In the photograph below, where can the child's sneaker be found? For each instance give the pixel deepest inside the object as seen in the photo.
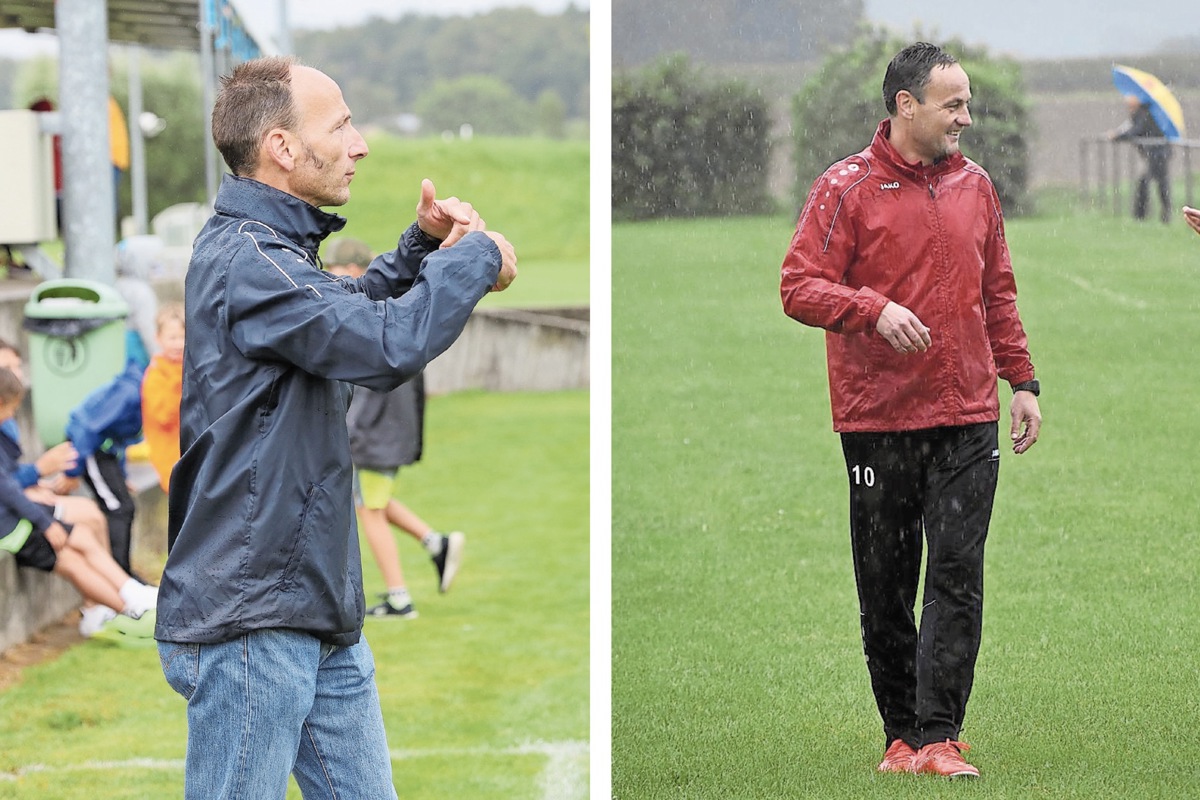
(139, 598)
(94, 618)
(449, 558)
(393, 609)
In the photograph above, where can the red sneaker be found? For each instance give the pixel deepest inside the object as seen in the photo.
(898, 757)
(944, 758)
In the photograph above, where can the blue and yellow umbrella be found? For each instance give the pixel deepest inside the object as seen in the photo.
(1151, 91)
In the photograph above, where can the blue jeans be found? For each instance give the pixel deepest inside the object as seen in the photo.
(274, 702)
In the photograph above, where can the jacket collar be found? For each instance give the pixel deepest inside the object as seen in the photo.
(287, 215)
(882, 149)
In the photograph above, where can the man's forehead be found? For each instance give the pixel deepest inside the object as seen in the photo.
(949, 80)
(314, 90)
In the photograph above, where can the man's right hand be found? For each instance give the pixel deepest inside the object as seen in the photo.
(508, 261)
(902, 330)
(1193, 218)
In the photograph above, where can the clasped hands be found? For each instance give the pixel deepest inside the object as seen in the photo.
(451, 219)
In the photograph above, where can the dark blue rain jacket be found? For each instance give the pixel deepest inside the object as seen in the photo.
(261, 529)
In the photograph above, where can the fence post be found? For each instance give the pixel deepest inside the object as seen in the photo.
(1084, 197)
(1116, 180)
(1187, 171)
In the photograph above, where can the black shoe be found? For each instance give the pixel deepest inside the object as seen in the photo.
(387, 610)
(448, 560)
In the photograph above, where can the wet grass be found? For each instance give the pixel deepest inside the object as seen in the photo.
(737, 668)
(485, 695)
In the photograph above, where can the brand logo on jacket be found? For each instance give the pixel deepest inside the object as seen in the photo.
(892, 185)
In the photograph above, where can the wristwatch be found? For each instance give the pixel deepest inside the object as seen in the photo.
(1033, 387)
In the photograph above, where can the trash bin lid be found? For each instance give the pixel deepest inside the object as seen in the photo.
(68, 298)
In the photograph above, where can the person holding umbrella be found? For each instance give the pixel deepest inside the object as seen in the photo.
(1154, 113)
(1157, 155)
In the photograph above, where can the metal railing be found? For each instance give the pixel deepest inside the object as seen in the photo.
(1107, 166)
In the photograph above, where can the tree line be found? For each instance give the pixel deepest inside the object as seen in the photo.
(686, 143)
(511, 72)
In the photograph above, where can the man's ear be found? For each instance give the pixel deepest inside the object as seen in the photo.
(281, 148)
(905, 104)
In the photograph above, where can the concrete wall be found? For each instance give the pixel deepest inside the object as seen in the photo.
(500, 350)
(510, 350)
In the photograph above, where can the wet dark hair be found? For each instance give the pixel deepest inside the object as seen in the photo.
(909, 71)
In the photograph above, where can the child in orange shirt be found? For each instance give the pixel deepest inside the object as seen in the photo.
(162, 388)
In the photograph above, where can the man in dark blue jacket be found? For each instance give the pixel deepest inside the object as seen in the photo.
(261, 603)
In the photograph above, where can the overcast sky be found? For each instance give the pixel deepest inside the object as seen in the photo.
(1045, 28)
(262, 16)
(1022, 28)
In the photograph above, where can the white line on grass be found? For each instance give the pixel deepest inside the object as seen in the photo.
(563, 778)
(1116, 297)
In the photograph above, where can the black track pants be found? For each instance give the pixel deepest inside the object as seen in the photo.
(937, 485)
(1157, 172)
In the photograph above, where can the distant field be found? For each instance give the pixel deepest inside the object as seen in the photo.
(534, 191)
(737, 663)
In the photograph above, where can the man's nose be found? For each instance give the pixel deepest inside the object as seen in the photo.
(358, 148)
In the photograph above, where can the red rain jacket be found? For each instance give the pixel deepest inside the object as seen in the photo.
(930, 238)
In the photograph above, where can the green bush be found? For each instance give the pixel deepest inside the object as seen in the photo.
(488, 105)
(836, 112)
(685, 144)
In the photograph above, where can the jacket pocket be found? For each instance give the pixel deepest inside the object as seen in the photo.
(314, 519)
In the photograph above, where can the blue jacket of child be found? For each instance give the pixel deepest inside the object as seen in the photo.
(108, 419)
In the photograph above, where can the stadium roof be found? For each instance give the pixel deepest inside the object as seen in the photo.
(171, 24)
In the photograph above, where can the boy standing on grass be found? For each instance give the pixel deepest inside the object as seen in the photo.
(386, 433)
(36, 539)
(899, 254)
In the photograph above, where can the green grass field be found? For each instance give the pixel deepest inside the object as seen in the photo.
(737, 664)
(534, 191)
(485, 695)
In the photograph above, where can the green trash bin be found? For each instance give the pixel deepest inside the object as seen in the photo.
(76, 344)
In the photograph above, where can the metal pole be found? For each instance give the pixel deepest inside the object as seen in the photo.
(1084, 197)
(89, 197)
(1132, 158)
(208, 71)
(285, 32)
(137, 144)
(1187, 171)
(1116, 179)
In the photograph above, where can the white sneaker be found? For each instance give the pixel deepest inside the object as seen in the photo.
(139, 599)
(95, 618)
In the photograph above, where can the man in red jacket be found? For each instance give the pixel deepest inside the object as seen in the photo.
(899, 254)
